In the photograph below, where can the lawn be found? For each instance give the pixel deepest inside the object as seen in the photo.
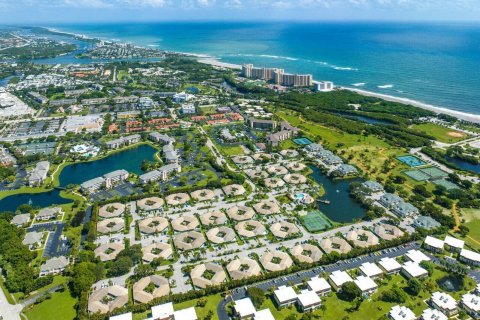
(372, 308)
(232, 151)
(207, 110)
(60, 306)
(212, 302)
(57, 280)
(471, 219)
(440, 133)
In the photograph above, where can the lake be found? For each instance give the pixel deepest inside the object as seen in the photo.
(462, 164)
(44, 199)
(342, 207)
(130, 160)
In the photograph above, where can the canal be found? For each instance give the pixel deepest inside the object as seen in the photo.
(342, 207)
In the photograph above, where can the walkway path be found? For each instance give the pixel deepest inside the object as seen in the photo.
(457, 218)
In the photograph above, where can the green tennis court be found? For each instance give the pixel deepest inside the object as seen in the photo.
(435, 173)
(316, 221)
(417, 175)
(445, 183)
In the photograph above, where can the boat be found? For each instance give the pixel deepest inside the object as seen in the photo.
(324, 201)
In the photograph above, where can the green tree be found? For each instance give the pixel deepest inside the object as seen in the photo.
(257, 296)
(83, 277)
(350, 291)
(414, 287)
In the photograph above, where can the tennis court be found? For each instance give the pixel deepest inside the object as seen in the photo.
(411, 161)
(446, 184)
(316, 221)
(302, 141)
(417, 175)
(435, 173)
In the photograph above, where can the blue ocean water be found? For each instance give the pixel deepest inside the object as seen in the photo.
(431, 63)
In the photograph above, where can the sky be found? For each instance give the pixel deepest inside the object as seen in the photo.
(65, 11)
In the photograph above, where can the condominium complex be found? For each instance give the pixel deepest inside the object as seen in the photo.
(278, 76)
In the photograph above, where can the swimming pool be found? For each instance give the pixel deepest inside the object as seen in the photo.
(300, 196)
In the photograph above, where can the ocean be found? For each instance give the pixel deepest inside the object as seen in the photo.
(431, 63)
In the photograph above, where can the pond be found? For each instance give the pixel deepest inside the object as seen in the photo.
(451, 283)
(364, 118)
(342, 207)
(44, 199)
(130, 160)
(464, 165)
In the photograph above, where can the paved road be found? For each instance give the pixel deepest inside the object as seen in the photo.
(9, 311)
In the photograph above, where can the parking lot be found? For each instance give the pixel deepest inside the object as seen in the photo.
(56, 245)
(32, 128)
(121, 190)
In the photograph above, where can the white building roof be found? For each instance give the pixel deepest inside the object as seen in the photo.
(264, 314)
(370, 269)
(308, 298)
(470, 255)
(125, 316)
(471, 301)
(414, 269)
(244, 307)
(365, 283)
(389, 264)
(444, 301)
(318, 284)
(185, 314)
(401, 313)
(285, 293)
(417, 256)
(162, 311)
(433, 314)
(340, 277)
(454, 242)
(434, 242)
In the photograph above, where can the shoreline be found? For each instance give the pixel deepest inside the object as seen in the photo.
(207, 59)
(438, 110)
(217, 63)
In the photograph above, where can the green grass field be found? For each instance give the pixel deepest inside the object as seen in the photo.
(471, 219)
(212, 302)
(440, 133)
(232, 151)
(372, 308)
(60, 306)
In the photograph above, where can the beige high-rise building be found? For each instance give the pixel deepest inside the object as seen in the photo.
(278, 76)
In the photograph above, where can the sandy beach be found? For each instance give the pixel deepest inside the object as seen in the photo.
(458, 114)
(217, 63)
